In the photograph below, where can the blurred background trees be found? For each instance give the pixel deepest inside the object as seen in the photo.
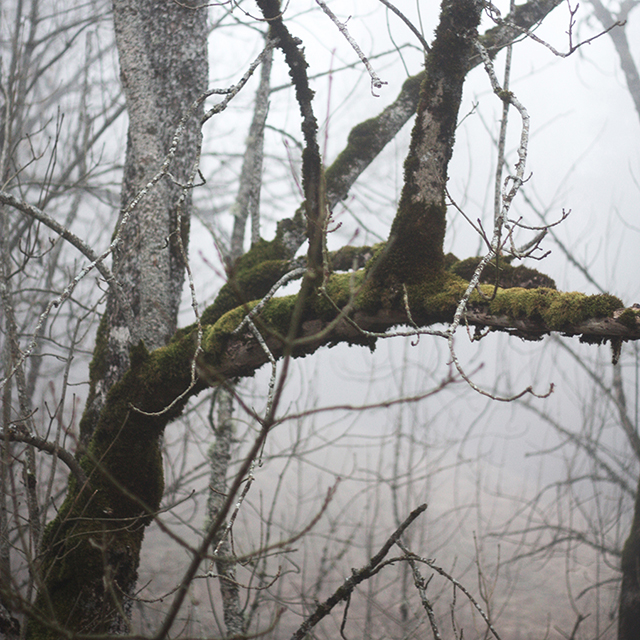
(532, 497)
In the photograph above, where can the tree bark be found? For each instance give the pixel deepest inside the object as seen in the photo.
(629, 610)
(162, 48)
(89, 568)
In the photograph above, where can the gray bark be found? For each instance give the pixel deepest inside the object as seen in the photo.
(219, 459)
(162, 49)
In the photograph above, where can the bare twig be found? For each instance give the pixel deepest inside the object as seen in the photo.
(376, 83)
(16, 434)
(356, 577)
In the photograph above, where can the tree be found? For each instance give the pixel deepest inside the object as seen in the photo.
(143, 370)
(592, 511)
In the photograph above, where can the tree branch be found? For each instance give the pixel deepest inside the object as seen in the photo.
(15, 435)
(356, 577)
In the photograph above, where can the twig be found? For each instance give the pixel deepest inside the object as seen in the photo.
(356, 577)
(376, 83)
(409, 24)
(15, 434)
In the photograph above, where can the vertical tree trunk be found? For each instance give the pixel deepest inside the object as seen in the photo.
(91, 550)
(162, 48)
(629, 612)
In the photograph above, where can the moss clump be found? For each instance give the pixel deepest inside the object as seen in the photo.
(367, 139)
(557, 310)
(349, 257)
(503, 274)
(83, 544)
(360, 139)
(629, 318)
(246, 284)
(435, 300)
(414, 250)
(276, 316)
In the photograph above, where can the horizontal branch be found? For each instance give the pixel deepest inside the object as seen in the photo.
(527, 313)
(604, 328)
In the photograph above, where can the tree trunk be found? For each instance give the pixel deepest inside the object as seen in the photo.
(88, 569)
(629, 612)
(162, 49)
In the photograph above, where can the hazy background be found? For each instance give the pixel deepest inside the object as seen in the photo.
(516, 512)
(484, 467)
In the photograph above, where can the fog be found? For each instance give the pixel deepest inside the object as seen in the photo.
(507, 486)
(476, 462)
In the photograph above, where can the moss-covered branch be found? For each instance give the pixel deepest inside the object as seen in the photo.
(367, 139)
(530, 313)
(101, 525)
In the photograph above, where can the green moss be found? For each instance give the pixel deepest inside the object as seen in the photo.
(82, 545)
(629, 318)
(247, 282)
(342, 287)
(350, 258)
(414, 251)
(435, 300)
(276, 316)
(361, 137)
(558, 310)
(99, 528)
(503, 274)
(366, 140)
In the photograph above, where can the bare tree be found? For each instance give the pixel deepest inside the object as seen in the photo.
(84, 564)
(590, 516)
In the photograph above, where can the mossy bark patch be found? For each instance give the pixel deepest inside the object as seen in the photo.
(94, 542)
(502, 274)
(250, 278)
(557, 310)
(415, 247)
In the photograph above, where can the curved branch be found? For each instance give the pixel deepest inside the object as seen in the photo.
(368, 138)
(14, 435)
(62, 231)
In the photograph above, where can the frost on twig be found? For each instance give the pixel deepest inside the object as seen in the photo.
(376, 83)
(503, 200)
